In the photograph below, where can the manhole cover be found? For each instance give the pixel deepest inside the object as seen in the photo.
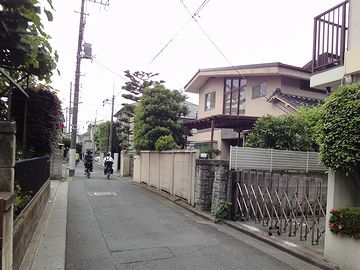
(102, 193)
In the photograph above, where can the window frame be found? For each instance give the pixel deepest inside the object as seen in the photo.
(209, 94)
(260, 94)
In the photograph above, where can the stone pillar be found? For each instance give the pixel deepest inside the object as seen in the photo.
(7, 172)
(221, 183)
(102, 159)
(116, 162)
(341, 250)
(56, 165)
(124, 164)
(137, 169)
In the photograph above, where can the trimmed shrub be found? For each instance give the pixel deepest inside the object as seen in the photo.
(339, 130)
(166, 143)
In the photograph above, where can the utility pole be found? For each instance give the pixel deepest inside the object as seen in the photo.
(111, 124)
(77, 84)
(70, 108)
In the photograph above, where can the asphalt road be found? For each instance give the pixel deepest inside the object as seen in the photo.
(134, 229)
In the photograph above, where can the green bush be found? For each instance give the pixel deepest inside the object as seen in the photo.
(21, 200)
(222, 211)
(345, 221)
(166, 143)
(286, 132)
(339, 130)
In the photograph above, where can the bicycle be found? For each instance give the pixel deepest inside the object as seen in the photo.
(87, 172)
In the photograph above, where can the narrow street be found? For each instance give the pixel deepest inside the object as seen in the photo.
(130, 228)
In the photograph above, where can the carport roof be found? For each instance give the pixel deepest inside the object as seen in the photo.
(238, 122)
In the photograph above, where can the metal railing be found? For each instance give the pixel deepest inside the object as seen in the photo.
(32, 173)
(284, 204)
(330, 37)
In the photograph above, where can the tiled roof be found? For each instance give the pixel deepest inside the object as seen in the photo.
(294, 100)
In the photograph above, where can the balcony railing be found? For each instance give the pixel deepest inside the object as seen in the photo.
(330, 37)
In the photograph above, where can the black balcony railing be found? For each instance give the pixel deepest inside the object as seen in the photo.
(330, 37)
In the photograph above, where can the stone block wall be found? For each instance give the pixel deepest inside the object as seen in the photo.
(211, 183)
(7, 172)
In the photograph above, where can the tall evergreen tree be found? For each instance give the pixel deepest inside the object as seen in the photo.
(157, 114)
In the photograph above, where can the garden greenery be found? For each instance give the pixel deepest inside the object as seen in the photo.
(166, 143)
(345, 221)
(339, 130)
(157, 114)
(222, 211)
(286, 132)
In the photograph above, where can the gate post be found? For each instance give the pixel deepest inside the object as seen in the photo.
(234, 214)
(7, 172)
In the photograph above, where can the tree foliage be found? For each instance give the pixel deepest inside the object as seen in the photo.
(101, 137)
(166, 143)
(24, 45)
(138, 81)
(339, 130)
(286, 132)
(42, 125)
(157, 114)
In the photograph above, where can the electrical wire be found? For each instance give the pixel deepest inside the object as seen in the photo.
(110, 70)
(203, 4)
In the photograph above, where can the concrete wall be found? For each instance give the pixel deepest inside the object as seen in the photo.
(7, 172)
(170, 171)
(341, 250)
(26, 222)
(56, 165)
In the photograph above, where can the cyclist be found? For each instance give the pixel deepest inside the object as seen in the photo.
(108, 162)
(88, 161)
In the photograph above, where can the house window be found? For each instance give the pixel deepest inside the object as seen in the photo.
(259, 90)
(210, 101)
(234, 96)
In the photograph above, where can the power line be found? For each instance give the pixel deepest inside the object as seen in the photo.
(209, 38)
(110, 70)
(203, 4)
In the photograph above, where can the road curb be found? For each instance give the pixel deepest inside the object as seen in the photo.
(302, 254)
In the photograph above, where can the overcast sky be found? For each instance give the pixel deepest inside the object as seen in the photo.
(128, 35)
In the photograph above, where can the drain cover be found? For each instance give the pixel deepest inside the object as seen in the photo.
(102, 193)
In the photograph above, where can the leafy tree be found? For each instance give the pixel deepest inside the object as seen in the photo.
(157, 114)
(42, 125)
(24, 44)
(101, 137)
(339, 130)
(286, 132)
(138, 81)
(166, 143)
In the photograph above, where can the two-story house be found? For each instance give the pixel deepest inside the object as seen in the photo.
(232, 98)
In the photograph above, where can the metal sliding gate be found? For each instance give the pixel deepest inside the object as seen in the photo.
(284, 203)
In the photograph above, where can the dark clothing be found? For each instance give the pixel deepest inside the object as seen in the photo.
(88, 162)
(108, 166)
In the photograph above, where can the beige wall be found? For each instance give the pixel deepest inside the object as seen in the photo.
(354, 24)
(170, 171)
(213, 84)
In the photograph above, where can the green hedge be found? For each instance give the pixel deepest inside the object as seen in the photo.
(345, 221)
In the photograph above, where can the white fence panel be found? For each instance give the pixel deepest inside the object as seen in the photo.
(274, 160)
